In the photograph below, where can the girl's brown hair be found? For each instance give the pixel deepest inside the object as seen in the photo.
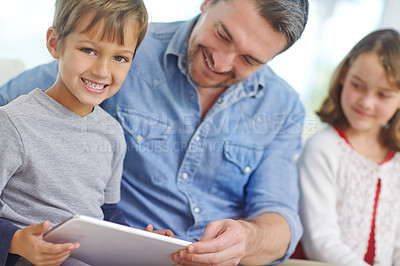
(386, 44)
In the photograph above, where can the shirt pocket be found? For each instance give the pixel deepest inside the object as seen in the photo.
(143, 131)
(239, 162)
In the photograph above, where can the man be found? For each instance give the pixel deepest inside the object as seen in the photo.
(211, 131)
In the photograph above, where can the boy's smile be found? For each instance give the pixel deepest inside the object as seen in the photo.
(92, 68)
(94, 87)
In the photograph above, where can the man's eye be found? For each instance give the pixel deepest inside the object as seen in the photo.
(249, 61)
(222, 36)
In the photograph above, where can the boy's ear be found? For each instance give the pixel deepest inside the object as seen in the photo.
(51, 42)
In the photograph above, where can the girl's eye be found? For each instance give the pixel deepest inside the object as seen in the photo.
(121, 59)
(385, 95)
(357, 85)
(87, 51)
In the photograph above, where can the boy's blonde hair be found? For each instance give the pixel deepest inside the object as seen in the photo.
(115, 14)
(386, 44)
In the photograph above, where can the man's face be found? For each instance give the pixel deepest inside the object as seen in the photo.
(229, 43)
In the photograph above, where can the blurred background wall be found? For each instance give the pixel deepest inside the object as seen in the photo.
(334, 26)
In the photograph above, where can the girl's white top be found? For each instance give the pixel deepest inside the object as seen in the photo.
(338, 189)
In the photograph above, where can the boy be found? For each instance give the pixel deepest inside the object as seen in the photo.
(62, 154)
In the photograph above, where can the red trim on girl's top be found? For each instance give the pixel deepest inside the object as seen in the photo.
(390, 155)
(370, 255)
(341, 133)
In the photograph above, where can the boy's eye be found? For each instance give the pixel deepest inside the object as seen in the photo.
(121, 59)
(87, 50)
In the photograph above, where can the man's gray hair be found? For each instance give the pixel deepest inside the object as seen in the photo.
(288, 17)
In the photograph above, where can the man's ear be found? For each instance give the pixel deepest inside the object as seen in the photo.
(51, 42)
(204, 5)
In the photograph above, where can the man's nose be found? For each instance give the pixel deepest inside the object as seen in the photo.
(223, 61)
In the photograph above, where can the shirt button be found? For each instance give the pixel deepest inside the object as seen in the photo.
(185, 176)
(247, 170)
(220, 101)
(197, 138)
(196, 210)
(139, 139)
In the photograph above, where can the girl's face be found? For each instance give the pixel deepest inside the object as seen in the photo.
(368, 100)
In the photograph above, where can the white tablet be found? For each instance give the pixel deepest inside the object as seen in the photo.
(106, 243)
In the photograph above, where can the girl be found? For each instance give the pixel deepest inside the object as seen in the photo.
(350, 171)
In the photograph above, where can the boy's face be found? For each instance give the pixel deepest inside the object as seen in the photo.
(90, 69)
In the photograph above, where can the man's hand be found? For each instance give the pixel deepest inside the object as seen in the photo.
(165, 232)
(261, 240)
(29, 243)
(223, 243)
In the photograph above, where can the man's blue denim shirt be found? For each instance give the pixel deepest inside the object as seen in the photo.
(182, 171)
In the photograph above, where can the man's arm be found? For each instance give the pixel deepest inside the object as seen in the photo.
(41, 77)
(268, 239)
(262, 239)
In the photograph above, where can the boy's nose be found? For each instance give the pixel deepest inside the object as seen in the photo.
(101, 68)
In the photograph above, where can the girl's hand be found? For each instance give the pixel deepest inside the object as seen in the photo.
(29, 243)
(165, 232)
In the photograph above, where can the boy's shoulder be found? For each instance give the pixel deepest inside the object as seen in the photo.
(107, 122)
(22, 104)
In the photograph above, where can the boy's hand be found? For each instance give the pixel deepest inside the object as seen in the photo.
(165, 232)
(29, 243)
